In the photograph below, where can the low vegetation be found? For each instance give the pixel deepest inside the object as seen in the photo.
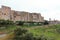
(29, 32)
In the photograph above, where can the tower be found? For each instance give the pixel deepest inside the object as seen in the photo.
(5, 12)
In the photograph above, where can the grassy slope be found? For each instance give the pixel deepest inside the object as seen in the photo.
(9, 32)
(8, 36)
(48, 31)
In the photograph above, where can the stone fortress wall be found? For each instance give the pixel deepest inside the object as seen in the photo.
(7, 14)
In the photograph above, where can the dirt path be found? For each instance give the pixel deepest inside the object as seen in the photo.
(7, 37)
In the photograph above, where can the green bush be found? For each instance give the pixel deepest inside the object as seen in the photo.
(6, 22)
(19, 23)
(46, 22)
(58, 30)
(22, 34)
(19, 33)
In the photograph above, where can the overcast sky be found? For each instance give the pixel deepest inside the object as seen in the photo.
(47, 8)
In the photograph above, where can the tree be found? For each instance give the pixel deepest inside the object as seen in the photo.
(46, 22)
(6, 22)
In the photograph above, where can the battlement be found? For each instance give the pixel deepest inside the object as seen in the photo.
(5, 7)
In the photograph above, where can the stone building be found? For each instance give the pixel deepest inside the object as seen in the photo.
(35, 17)
(7, 14)
(54, 22)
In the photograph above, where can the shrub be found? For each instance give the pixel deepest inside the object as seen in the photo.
(6, 22)
(46, 22)
(22, 34)
(58, 30)
(28, 36)
(19, 33)
(19, 23)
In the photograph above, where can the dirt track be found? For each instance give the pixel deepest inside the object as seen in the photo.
(7, 37)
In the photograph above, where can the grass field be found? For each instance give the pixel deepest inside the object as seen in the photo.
(49, 31)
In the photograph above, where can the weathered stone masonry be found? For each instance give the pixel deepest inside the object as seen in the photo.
(7, 14)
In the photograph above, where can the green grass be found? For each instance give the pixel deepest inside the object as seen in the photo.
(49, 32)
(8, 29)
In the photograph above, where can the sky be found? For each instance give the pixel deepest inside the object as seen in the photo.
(47, 8)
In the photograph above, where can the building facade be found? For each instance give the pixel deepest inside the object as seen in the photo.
(7, 14)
